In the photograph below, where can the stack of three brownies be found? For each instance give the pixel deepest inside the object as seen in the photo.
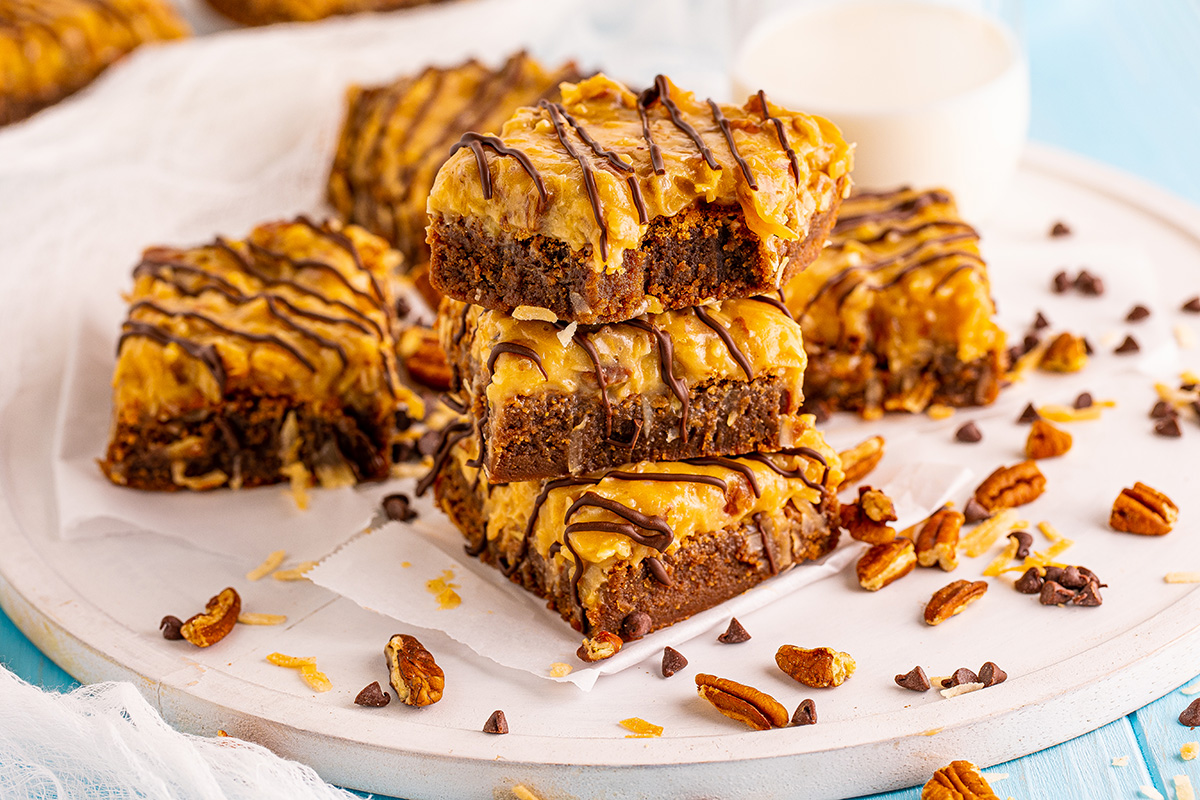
(632, 446)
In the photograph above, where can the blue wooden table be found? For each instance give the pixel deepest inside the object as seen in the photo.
(1119, 82)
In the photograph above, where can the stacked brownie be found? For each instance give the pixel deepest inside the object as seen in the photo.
(632, 445)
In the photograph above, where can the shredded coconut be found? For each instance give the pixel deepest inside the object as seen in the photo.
(534, 312)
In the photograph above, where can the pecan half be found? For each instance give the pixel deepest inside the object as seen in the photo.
(425, 359)
(1067, 353)
(858, 461)
(1009, 487)
(744, 703)
(1143, 510)
(1046, 441)
(958, 781)
(413, 673)
(867, 520)
(605, 644)
(218, 619)
(951, 599)
(820, 667)
(937, 541)
(885, 563)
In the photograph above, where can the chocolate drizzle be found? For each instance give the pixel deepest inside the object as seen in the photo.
(661, 92)
(775, 303)
(668, 477)
(779, 132)
(613, 160)
(478, 141)
(589, 177)
(900, 210)
(666, 357)
(799, 472)
(765, 538)
(731, 464)
(655, 154)
(515, 349)
(450, 435)
(508, 569)
(725, 336)
(659, 536)
(733, 148)
(204, 353)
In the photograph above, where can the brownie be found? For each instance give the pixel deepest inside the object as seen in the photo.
(395, 137)
(266, 12)
(551, 399)
(703, 530)
(50, 49)
(897, 310)
(612, 204)
(243, 363)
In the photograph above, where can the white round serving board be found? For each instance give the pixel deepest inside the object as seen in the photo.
(93, 604)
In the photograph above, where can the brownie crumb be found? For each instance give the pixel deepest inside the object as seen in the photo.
(1084, 400)
(496, 723)
(1137, 313)
(1060, 229)
(1162, 409)
(171, 627)
(1168, 427)
(372, 696)
(1191, 715)
(734, 634)
(806, 713)
(1061, 283)
(1130, 345)
(1029, 414)
(672, 661)
(1030, 582)
(990, 674)
(1024, 543)
(635, 626)
(1191, 306)
(915, 680)
(974, 511)
(398, 508)
(1040, 322)
(1088, 284)
(969, 433)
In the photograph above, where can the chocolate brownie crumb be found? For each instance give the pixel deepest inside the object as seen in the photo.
(1060, 229)
(1137, 313)
(373, 696)
(672, 661)
(915, 680)
(1130, 345)
(806, 713)
(969, 433)
(734, 634)
(1168, 427)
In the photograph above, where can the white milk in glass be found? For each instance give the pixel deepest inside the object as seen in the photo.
(932, 94)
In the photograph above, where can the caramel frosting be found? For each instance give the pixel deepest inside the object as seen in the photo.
(655, 354)
(586, 526)
(396, 136)
(595, 169)
(297, 309)
(902, 274)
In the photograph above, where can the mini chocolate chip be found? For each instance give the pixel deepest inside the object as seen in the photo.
(1190, 716)
(1029, 414)
(734, 634)
(1061, 283)
(427, 445)
(635, 625)
(1191, 306)
(806, 713)
(915, 680)
(1054, 593)
(1072, 578)
(1196, 407)
(555, 549)
(1060, 229)
(961, 675)
(1130, 345)
(969, 433)
(672, 662)
(1085, 400)
(1089, 284)
(1024, 542)
(1014, 353)
(1137, 313)
(1089, 595)
(1052, 573)
(1162, 409)
(974, 511)
(372, 696)
(398, 507)
(170, 627)
(1168, 427)
(496, 723)
(1187, 387)
(1029, 342)
(1087, 347)
(1030, 582)
(820, 411)
(1040, 322)
(1091, 576)
(990, 674)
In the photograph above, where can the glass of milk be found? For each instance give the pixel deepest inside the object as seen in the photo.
(932, 93)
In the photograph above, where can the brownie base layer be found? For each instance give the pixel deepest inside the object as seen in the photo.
(837, 381)
(709, 569)
(244, 440)
(551, 434)
(702, 254)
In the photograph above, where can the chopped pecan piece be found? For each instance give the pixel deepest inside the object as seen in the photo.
(937, 541)
(858, 461)
(951, 599)
(605, 644)
(425, 359)
(867, 520)
(413, 673)
(820, 667)
(1046, 441)
(958, 781)
(218, 619)
(1143, 510)
(1009, 487)
(1066, 353)
(744, 703)
(885, 563)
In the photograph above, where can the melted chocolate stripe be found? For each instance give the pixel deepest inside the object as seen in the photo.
(449, 436)
(666, 358)
(613, 160)
(765, 538)
(205, 353)
(589, 177)
(798, 473)
(733, 148)
(478, 141)
(901, 232)
(908, 270)
(154, 266)
(347, 244)
(730, 464)
(480, 453)
(667, 477)
(899, 210)
(661, 534)
(662, 93)
(404, 175)
(779, 131)
(558, 483)
(318, 266)
(581, 338)
(726, 337)
(775, 303)
(517, 350)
